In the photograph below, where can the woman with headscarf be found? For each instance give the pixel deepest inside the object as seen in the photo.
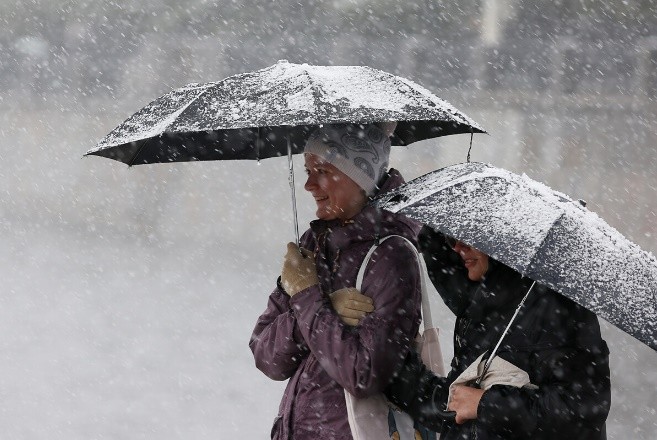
(300, 336)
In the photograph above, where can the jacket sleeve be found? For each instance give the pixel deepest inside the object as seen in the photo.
(363, 359)
(574, 390)
(419, 392)
(277, 345)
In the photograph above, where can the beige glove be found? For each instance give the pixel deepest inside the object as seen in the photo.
(351, 305)
(299, 270)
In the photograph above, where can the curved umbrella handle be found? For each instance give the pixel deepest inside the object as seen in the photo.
(445, 414)
(448, 416)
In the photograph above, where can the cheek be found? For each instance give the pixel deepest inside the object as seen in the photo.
(335, 198)
(483, 265)
(326, 183)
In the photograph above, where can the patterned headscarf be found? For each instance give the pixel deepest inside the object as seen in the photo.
(361, 151)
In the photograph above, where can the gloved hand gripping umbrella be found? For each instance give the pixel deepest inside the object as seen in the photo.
(271, 112)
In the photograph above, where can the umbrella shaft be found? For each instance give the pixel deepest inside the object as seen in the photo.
(506, 330)
(292, 189)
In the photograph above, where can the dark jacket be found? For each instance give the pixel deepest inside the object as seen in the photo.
(304, 340)
(556, 341)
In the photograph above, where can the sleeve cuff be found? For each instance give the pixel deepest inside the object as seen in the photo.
(280, 285)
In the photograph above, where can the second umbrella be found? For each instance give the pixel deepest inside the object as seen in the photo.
(541, 233)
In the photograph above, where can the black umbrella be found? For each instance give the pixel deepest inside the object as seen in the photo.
(541, 233)
(271, 112)
(253, 115)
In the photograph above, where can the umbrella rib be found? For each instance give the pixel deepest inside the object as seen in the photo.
(170, 120)
(141, 147)
(419, 93)
(186, 106)
(540, 245)
(315, 91)
(448, 108)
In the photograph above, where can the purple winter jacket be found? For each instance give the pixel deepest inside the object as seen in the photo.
(304, 340)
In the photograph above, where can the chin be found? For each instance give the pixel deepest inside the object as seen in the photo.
(323, 215)
(474, 276)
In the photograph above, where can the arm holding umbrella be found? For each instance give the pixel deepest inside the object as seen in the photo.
(299, 270)
(346, 307)
(278, 354)
(361, 361)
(277, 345)
(573, 394)
(561, 407)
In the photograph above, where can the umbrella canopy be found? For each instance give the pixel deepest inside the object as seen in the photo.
(541, 233)
(255, 115)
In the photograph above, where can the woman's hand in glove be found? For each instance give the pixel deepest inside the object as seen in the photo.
(299, 270)
(351, 305)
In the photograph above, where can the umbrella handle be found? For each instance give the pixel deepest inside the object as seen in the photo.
(447, 416)
(290, 179)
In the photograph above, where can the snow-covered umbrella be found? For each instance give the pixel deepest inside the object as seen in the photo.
(541, 233)
(253, 115)
(271, 112)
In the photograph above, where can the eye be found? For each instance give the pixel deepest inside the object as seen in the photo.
(318, 171)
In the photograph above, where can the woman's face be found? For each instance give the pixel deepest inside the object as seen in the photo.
(336, 195)
(476, 262)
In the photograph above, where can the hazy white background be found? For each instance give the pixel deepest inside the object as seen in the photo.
(128, 295)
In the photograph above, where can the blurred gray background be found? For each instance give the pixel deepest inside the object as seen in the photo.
(128, 295)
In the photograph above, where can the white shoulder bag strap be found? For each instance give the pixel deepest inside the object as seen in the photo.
(368, 417)
(426, 306)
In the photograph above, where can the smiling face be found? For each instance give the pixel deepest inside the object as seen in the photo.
(476, 262)
(336, 195)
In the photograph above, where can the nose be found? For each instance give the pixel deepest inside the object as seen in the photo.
(461, 247)
(310, 184)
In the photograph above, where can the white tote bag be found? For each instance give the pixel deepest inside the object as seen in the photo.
(368, 417)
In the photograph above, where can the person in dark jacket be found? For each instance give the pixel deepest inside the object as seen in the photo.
(300, 336)
(554, 340)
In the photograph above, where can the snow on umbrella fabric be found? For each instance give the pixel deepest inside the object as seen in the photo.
(265, 113)
(541, 233)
